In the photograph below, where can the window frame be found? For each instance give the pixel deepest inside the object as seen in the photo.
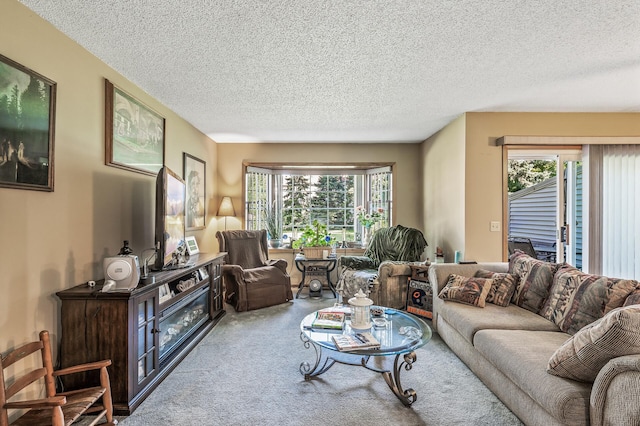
(306, 169)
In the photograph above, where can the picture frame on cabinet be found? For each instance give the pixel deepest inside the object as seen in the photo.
(195, 176)
(134, 133)
(27, 124)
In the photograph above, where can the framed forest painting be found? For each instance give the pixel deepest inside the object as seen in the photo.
(134, 133)
(27, 121)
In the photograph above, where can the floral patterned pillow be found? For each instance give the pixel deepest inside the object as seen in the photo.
(468, 290)
(577, 299)
(534, 280)
(502, 288)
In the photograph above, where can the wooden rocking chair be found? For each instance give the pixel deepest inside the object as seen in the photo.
(56, 409)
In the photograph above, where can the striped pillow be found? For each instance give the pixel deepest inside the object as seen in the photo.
(583, 355)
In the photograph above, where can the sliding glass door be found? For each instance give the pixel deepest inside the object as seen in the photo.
(545, 202)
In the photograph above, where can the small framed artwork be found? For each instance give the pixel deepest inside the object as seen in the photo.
(134, 133)
(203, 274)
(27, 121)
(195, 173)
(192, 245)
(164, 292)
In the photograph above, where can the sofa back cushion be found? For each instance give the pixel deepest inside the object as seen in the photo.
(577, 299)
(534, 280)
(583, 355)
(503, 286)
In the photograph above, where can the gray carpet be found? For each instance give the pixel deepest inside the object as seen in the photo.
(245, 372)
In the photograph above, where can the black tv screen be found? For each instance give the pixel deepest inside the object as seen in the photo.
(170, 216)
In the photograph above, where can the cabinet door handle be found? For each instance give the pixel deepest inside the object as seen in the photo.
(155, 330)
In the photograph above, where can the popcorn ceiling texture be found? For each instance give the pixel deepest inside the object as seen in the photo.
(361, 71)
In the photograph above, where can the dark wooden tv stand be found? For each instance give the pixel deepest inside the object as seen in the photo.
(145, 332)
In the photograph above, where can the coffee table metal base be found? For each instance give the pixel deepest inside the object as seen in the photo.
(403, 361)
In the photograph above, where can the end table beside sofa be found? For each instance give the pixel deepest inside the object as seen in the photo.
(510, 347)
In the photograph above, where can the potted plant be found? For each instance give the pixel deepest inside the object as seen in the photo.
(313, 239)
(368, 220)
(274, 227)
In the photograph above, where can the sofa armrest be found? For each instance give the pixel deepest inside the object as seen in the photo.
(357, 262)
(616, 392)
(278, 263)
(390, 268)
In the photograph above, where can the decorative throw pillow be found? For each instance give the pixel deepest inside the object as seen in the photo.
(633, 298)
(502, 288)
(534, 280)
(577, 299)
(583, 355)
(467, 290)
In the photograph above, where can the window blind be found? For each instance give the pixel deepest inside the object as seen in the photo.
(621, 211)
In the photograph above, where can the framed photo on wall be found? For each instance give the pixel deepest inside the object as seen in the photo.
(134, 133)
(27, 122)
(195, 175)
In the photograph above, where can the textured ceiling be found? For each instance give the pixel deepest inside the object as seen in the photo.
(361, 71)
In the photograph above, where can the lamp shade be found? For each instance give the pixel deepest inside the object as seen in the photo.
(226, 207)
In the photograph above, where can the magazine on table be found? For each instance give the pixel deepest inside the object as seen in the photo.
(349, 342)
(329, 320)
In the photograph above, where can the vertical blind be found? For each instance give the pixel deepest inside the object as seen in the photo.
(621, 211)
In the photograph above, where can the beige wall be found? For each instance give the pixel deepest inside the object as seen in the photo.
(444, 189)
(483, 163)
(407, 181)
(55, 240)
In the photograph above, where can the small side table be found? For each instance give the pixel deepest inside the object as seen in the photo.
(316, 269)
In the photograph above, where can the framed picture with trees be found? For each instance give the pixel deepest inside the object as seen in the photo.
(27, 121)
(134, 133)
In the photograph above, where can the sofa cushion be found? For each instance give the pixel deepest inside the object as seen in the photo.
(468, 320)
(502, 288)
(522, 356)
(583, 355)
(468, 290)
(577, 299)
(535, 279)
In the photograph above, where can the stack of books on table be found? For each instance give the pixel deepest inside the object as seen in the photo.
(329, 320)
(356, 341)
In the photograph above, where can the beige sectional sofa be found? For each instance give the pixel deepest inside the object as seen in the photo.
(509, 348)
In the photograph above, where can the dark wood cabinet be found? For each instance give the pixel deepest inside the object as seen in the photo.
(145, 332)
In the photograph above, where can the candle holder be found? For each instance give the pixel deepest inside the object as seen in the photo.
(360, 311)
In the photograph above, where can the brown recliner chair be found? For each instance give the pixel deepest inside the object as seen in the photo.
(251, 280)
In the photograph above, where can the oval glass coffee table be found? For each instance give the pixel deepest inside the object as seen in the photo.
(402, 334)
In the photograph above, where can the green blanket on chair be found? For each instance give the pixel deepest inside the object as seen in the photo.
(396, 243)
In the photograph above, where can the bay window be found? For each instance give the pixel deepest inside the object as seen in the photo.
(300, 194)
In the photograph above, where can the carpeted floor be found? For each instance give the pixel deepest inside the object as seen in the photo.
(246, 372)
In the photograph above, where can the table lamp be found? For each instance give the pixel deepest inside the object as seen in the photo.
(226, 209)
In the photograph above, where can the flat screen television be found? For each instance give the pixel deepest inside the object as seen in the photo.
(170, 217)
